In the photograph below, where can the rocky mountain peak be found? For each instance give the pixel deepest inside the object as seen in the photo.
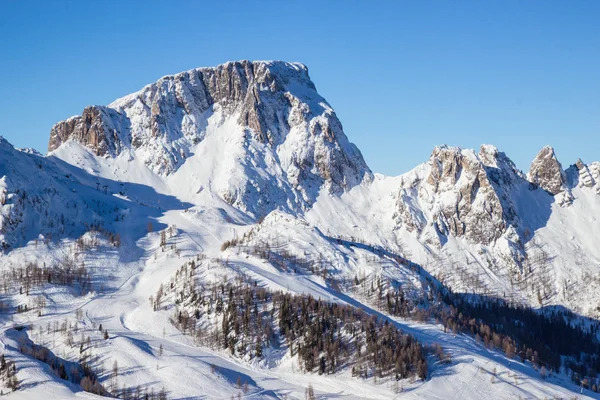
(171, 109)
(489, 166)
(464, 193)
(446, 165)
(547, 172)
(94, 129)
(269, 116)
(489, 154)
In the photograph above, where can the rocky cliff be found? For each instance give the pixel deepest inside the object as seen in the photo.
(288, 144)
(462, 194)
(547, 172)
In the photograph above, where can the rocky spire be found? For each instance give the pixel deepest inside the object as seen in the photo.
(547, 172)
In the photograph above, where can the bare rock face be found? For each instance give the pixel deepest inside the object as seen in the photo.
(95, 129)
(273, 104)
(477, 197)
(482, 198)
(547, 172)
(463, 195)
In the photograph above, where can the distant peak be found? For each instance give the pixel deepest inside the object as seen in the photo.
(250, 71)
(489, 149)
(487, 153)
(547, 151)
(547, 172)
(445, 151)
(445, 147)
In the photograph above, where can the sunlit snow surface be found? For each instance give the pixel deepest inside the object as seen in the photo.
(125, 277)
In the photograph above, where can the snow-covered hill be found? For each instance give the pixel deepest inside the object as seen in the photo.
(160, 208)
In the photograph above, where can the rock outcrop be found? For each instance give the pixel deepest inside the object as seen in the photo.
(547, 172)
(463, 194)
(587, 176)
(268, 98)
(95, 129)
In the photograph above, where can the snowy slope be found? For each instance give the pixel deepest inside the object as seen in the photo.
(476, 223)
(136, 332)
(186, 370)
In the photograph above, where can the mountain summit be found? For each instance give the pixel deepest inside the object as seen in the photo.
(261, 116)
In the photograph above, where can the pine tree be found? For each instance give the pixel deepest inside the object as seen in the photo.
(310, 392)
(422, 369)
(162, 395)
(163, 239)
(115, 369)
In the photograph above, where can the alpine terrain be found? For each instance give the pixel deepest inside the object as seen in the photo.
(216, 235)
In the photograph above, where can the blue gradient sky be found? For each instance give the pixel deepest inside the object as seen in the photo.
(402, 76)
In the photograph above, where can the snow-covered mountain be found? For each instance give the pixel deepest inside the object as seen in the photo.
(480, 224)
(239, 180)
(259, 134)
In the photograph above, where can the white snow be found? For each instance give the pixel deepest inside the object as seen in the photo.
(221, 181)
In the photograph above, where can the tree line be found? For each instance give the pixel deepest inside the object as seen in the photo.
(550, 340)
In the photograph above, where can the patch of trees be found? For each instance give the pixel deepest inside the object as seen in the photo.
(86, 368)
(170, 231)
(243, 318)
(95, 230)
(229, 243)
(8, 374)
(327, 336)
(284, 260)
(67, 273)
(80, 373)
(234, 316)
(541, 338)
(550, 340)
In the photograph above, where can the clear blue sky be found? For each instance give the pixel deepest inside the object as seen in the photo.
(403, 76)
